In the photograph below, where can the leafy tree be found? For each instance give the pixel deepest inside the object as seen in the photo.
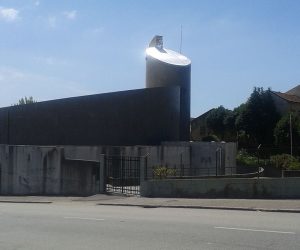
(252, 123)
(285, 161)
(282, 130)
(258, 117)
(238, 123)
(26, 100)
(216, 121)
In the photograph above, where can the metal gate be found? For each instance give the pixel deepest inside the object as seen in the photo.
(123, 174)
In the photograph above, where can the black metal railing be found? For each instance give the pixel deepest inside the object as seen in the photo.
(277, 161)
(122, 174)
(165, 171)
(290, 173)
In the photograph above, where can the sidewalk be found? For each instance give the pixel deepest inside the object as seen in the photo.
(113, 200)
(229, 204)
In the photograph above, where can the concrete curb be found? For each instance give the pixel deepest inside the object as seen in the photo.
(205, 207)
(32, 202)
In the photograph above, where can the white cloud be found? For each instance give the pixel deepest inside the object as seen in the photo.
(52, 21)
(9, 14)
(50, 60)
(70, 14)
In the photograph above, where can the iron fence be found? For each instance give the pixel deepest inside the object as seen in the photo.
(122, 174)
(266, 151)
(166, 171)
(277, 161)
(291, 173)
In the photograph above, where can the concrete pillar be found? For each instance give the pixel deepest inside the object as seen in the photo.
(143, 170)
(102, 173)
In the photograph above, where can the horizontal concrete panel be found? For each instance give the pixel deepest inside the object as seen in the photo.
(223, 188)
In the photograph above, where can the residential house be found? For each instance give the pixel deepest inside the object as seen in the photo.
(288, 101)
(199, 127)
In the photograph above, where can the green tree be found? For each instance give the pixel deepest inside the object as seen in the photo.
(219, 121)
(282, 130)
(26, 100)
(258, 117)
(239, 117)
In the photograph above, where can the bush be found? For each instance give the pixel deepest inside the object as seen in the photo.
(285, 161)
(295, 165)
(162, 172)
(245, 159)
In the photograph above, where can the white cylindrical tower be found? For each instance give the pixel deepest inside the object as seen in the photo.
(167, 68)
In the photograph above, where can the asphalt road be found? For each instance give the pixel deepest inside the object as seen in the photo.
(78, 225)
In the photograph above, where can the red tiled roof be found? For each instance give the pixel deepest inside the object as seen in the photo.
(287, 97)
(294, 91)
(201, 116)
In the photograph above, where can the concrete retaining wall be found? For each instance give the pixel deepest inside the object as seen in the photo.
(223, 188)
(200, 156)
(30, 170)
(208, 158)
(74, 170)
(35, 170)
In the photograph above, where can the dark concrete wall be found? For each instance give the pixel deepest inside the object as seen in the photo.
(145, 116)
(4, 131)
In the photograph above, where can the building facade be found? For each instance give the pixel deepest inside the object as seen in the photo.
(288, 101)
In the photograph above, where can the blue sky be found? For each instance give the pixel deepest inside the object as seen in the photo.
(59, 48)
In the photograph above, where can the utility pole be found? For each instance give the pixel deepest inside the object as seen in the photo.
(291, 134)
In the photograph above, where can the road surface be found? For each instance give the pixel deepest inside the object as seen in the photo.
(80, 225)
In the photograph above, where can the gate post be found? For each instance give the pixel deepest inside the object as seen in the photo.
(142, 161)
(102, 177)
(143, 173)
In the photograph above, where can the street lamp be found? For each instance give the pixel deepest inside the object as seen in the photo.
(258, 148)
